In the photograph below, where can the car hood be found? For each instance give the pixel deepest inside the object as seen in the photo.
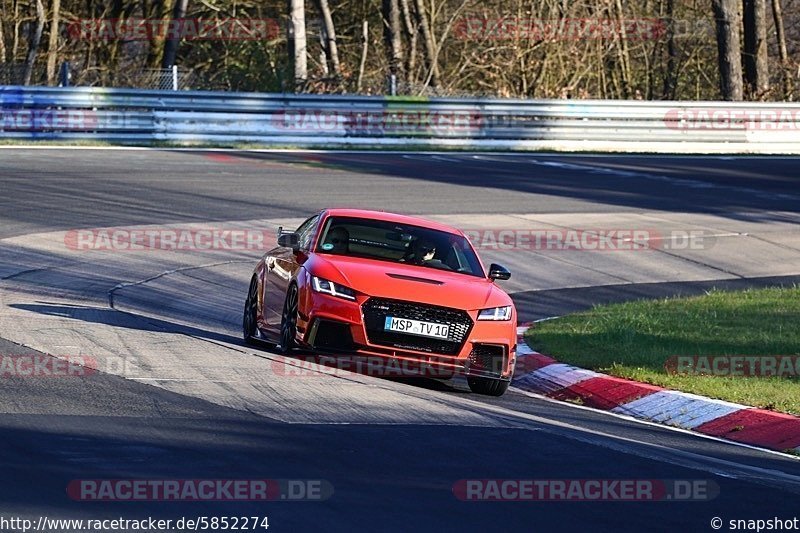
(407, 282)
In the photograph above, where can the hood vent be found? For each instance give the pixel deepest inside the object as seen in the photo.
(414, 278)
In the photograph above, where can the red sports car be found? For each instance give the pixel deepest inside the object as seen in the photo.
(367, 283)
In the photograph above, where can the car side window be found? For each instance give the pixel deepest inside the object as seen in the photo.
(306, 232)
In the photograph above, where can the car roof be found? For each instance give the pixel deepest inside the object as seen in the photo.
(392, 217)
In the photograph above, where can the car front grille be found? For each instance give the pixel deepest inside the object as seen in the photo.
(375, 311)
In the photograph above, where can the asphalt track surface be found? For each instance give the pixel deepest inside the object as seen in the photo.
(200, 405)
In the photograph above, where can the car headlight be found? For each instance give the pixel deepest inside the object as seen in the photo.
(495, 313)
(334, 289)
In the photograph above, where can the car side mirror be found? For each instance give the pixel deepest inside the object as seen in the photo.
(498, 272)
(289, 240)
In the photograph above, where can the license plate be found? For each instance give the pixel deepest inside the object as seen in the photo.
(417, 327)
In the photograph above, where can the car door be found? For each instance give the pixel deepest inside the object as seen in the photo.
(281, 265)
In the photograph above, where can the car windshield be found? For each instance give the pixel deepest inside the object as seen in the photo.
(399, 243)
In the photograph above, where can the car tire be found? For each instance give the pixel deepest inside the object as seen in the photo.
(487, 386)
(289, 321)
(250, 315)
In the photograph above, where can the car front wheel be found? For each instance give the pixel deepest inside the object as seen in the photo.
(289, 321)
(487, 386)
(249, 317)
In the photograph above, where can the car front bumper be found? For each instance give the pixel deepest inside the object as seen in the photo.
(337, 326)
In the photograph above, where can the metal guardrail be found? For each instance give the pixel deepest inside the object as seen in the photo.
(141, 116)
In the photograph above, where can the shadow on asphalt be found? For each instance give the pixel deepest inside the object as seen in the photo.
(124, 319)
(726, 185)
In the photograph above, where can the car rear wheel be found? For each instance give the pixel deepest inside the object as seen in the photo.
(249, 318)
(487, 386)
(289, 321)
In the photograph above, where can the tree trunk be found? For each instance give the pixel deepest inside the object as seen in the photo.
(670, 76)
(430, 46)
(331, 48)
(364, 47)
(36, 39)
(323, 54)
(17, 22)
(786, 74)
(624, 54)
(2, 44)
(728, 19)
(112, 49)
(393, 37)
(298, 47)
(155, 53)
(756, 67)
(411, 34)
(52, 48)
(171, 45)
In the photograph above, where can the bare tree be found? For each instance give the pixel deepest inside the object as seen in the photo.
(393, 37)
(298, 47)
(411, 35)
(364, 48)
(323, 54)
(2, 44)
(756, 66)
(17, 23)
(35, 40)
(786, 74)
(670, 75)
(330, 46)
(624, 55)
(172, 43)
(52, 48)
(429, 44)
(157, 9)
(728, 19)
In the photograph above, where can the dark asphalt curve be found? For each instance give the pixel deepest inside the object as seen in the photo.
(50, 189)
(386, 477)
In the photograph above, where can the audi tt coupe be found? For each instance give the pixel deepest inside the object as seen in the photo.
(394, 287)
